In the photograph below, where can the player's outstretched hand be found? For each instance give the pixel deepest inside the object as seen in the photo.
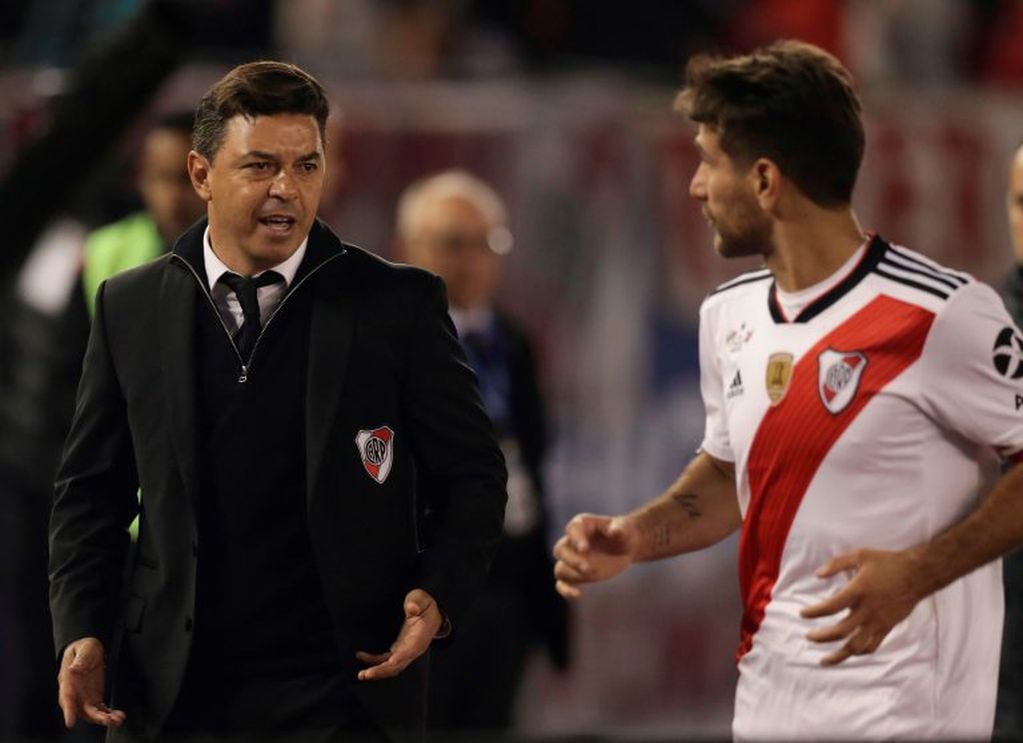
(423, 619)
(593, 548)
(80, 685)
(881, 593)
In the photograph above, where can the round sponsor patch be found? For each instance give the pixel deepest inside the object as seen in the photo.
(1007, 354)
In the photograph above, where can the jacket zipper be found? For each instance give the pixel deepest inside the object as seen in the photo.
(244, 376)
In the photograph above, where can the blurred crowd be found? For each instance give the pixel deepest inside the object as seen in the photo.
(883, 41)
(94, 115)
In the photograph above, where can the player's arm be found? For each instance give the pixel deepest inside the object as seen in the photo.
(698, 510)
(887, 585)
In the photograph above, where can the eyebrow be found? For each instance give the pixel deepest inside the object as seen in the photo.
(260, 155)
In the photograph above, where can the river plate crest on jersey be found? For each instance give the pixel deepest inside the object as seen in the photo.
(838, 377)
(779, 374)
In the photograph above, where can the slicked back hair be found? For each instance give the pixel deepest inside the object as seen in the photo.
(257, 89)
(790, 102)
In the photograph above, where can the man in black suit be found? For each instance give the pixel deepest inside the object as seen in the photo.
(277, 395)
(455, 224)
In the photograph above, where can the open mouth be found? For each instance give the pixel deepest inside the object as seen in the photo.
(281, 223)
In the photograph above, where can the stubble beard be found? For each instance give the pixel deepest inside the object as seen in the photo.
(743, 243)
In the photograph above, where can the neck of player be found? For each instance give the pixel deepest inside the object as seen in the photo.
(812, 244)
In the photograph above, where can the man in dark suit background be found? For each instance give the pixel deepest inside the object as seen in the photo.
(277, 395)
(455, 225)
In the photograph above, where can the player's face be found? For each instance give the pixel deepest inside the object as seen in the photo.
(1014, 198)
(164, 183)
(262, 188)
(741, 228)
(452, 239)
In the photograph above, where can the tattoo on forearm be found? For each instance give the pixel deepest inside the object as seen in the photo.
(662, 536)
(689, 503)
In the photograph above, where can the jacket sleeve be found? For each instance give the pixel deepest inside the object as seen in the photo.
(456, 451)
(94, 502)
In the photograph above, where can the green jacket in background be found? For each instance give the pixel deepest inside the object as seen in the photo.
(109, 250)
(117, 247)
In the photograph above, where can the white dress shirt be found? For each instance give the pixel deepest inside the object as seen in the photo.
(268, 296)
(476, 320)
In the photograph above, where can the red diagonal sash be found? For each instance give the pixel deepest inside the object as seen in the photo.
(891, 334)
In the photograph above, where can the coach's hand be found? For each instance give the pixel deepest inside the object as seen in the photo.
(80, 685)
(882, 592)
(593, 548)
(423, 620)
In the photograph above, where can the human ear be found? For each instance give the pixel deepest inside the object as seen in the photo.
(199, 173)
(766, 182)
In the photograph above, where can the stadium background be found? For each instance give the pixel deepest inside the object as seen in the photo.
(565, 106)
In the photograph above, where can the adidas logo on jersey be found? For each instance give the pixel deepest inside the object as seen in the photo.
(735, 388)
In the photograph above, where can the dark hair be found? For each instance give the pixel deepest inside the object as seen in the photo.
(790, 102)
(256, 89)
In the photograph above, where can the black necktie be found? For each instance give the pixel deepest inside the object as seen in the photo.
(245, 289)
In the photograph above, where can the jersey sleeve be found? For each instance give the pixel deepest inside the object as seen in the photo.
(973, 370)
(716, 441)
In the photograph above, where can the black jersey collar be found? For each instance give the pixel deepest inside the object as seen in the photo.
(873, 254)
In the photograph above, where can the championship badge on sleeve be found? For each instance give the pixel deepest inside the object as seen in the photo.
(376, 447)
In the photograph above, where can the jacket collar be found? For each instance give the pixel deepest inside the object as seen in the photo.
(323, 245)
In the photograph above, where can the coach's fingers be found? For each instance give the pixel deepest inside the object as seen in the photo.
(67, 698)
(371, 658)
(101, 714)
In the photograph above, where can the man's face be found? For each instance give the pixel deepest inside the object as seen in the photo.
(1014, 199)
(741, 227)
(164, 183)
(452, 240)
(262, 188)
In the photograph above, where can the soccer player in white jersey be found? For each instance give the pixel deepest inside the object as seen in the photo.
(860, 400)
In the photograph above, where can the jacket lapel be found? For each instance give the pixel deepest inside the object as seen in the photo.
(178, 293)
(330, 339)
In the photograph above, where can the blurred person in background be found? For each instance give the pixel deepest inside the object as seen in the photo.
(859, 399)
(170, 207)
(44, 333)
(273, 391)
(455, 225)
(1014, 207)
(335, 180)
(1009, 717)
(42, 340)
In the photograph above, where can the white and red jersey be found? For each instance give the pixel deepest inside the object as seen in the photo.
(876, 417)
